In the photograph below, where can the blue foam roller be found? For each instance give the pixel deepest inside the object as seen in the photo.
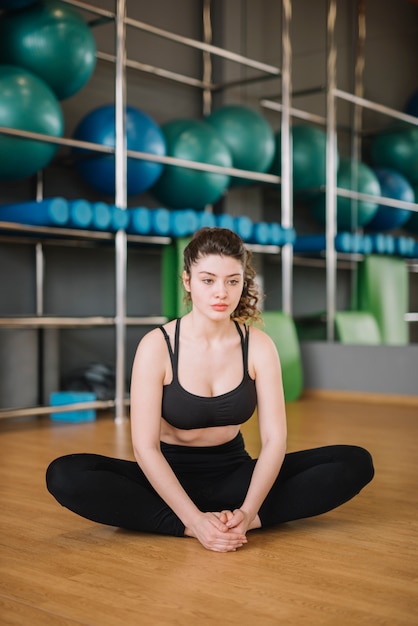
(276, 235)
(160, 222)
(243, 226)
(81, 214)
(405, 246)
(379, 243)
(48, 212)
(206, 218)
(225, 221)
(183, 222)
(366, 246)
(390, 244)
(289, 235)
(119, 219)
(139, 221)
(101, 216)
(309, 243)
(344, 242)
(261, 233)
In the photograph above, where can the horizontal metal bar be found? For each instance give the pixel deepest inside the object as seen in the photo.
(60, 141)
(297, 113)
(53, 230)
(76, 322)
(194, 165)
(199, 45)
(241, 82)
(392, 202)
(259, 248)
(91, 8)
(46, 410)
(411, 317)
(374, 106)
(157, 71)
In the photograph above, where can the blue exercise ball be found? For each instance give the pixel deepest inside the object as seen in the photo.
(181, 187)
(52, 40)
(142, 134)
(27, 103)
(354, 176)
(397, 149)
(392, 185)
(248, 136)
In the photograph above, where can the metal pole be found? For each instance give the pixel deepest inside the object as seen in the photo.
(286, 154)
(121, 202)
(331, 171)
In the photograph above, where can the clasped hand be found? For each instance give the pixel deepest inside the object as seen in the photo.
(223, 531)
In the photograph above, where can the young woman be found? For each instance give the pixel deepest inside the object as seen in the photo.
(195, 380)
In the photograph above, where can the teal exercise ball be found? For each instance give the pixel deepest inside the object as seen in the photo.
(309, 145)
(397, 149)
(248, 136)
(142, 135)
(26, 103)
(351, 214)
(52, 40)
(392, 185)
(180, 187)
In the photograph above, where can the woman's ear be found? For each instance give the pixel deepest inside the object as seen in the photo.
(186, 280)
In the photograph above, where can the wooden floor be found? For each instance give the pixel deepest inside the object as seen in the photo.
(356, 565)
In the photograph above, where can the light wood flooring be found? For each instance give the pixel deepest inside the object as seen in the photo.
(356, 565)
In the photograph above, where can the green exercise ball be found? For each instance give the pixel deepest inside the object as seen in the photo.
(26, 103)
(249, 137)
(350, 214)
(52, 40)
(397, 149)
(309, 145)
(181, 187)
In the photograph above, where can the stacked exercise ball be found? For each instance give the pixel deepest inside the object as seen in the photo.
(27, 103)
(53, 41)
(247, 135)
(142, 135)
(180, 187)
(398, 150)
(354, 176)
(393, 185)
(309, 156)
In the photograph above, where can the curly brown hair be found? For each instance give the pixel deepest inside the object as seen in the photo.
(224, 242)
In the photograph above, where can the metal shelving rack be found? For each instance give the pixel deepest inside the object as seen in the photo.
(120, 240)
(332, 191)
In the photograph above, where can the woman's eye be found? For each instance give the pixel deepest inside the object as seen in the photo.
(207, 281)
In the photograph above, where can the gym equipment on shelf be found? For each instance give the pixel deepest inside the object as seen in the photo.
(397, 149)
(181, 187)
(357, 327)
(142, 135)
(354, 176)
(248, 135)
(383, 291)
(27, 103)
(52, 40)
(392, 185)
(48, 212)
(309, 157)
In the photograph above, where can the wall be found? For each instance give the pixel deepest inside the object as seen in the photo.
(81, 281)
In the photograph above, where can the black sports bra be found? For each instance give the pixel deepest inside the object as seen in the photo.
(185, 410)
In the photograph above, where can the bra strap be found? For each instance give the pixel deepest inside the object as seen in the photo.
(244, 344)
(170, 350)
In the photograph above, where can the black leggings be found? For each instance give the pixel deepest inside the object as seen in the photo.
(116, 492)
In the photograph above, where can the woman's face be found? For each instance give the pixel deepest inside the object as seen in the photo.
(215, 285)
